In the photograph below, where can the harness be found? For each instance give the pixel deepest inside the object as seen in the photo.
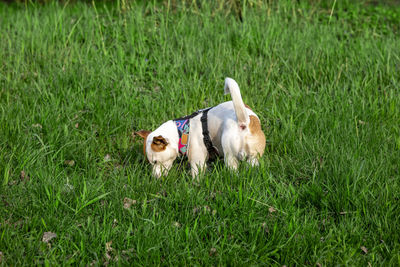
(183, 126)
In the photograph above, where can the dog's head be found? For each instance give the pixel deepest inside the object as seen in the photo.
(159, 152)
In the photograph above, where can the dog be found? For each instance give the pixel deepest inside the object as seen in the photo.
(230, 129)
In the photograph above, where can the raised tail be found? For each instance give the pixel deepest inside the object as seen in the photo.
(232, 87)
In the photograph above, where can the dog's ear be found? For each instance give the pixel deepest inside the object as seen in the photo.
(143, 133)
(159, 143)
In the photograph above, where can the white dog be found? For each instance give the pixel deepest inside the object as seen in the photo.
(231, 130)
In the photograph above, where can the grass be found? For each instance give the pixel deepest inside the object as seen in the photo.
(77, 79)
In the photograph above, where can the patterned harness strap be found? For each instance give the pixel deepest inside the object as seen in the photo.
(183, 126)
(183, 130)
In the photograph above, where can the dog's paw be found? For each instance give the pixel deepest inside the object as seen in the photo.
(253, 162)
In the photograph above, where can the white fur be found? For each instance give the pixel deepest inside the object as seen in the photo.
(230, 135)
(162, 161)
(232, 87)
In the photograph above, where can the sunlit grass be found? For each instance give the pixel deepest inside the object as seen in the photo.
(77, 80)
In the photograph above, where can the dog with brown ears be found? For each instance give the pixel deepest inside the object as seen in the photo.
(230, 129)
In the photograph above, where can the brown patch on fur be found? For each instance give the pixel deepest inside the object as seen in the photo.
(159, 144)
(256, 131)
(247, 106)
(144, 134)
(254, 125)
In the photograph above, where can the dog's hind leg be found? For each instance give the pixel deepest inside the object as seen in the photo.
(253, 161)
(231, 161)
(231, 148)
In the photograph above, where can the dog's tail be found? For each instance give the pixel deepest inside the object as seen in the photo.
(232, 87)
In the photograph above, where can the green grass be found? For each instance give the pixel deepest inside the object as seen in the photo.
(76, 80)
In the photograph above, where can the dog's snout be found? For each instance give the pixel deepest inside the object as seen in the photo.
(157, 171)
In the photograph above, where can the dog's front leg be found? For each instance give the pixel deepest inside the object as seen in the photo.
(197, 156)
(197, 168)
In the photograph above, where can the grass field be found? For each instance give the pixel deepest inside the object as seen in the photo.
(76, 80)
